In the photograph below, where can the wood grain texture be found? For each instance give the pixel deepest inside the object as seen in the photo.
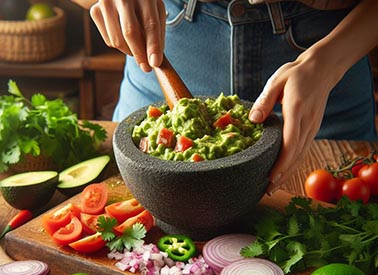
(172, 85)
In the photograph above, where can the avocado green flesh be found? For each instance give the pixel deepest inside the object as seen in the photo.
(30, 190)
(83, 172)
(28, 178)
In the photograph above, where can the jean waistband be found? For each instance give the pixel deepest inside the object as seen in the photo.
(242, 11)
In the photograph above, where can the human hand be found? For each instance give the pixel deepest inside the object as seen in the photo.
(134, 27)
(302, 87)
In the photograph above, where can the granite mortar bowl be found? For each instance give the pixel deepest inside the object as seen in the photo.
(200, 199)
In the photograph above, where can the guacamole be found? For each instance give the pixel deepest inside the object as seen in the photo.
(196, 130)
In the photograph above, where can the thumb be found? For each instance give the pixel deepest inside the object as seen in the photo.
(265, 102)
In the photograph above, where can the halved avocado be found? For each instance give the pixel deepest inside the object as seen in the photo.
(29, 190)
(74, 179)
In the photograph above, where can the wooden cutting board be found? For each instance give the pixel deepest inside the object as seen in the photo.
(31, 242)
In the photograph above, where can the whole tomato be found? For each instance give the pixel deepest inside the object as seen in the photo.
(357, 167)
(369, 174)
(356, 189)
(322, 185)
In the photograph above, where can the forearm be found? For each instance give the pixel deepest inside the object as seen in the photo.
(353, 38)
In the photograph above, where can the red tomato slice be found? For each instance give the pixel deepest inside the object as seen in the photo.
(144, 218)
(94, 198)
(154, 111)
(166, 137)
(89, 222)
(69, 233)
(124, 209)
(225, 120)
(88, 244)
(54, 220)
(183, 143)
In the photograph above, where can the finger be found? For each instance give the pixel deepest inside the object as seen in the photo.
(286, 165)
(150, 21)
(112, 24)
(163, 19)
(133, 33)
(289, 148)
(98, 19)
(264, 104)
(290, 171)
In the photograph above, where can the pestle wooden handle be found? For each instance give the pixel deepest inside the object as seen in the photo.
(171, 84)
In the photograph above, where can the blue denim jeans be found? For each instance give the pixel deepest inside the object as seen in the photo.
(234, 47)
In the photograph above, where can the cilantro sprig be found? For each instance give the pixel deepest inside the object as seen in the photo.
(44, 127)
(302, 237)
(131, 238)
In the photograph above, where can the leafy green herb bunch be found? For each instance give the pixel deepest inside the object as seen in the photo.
(301, 237)
(44, 127)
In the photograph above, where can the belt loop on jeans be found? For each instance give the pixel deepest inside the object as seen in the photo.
(190, 8)
(276, 17)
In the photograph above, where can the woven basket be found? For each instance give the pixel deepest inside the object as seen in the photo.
(31, 163)
(33, 41)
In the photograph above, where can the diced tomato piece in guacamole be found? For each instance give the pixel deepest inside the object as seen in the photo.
(154, 111)
(197, 157)
(225, 120)
(183, 143)
(167, 138)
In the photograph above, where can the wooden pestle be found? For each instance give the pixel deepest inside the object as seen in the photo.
(171, 84)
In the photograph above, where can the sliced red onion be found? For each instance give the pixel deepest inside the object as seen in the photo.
(255, 266)
(28, 267)
(225, 249)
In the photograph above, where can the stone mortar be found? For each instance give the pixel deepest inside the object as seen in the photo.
(197, 199)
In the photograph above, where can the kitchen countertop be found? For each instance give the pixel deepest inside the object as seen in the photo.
(321, 153)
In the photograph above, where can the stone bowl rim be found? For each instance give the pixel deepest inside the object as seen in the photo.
(272, 125)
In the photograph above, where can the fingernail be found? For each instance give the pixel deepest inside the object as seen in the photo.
(145, 67)
(154, 60)
(273, 187)
(256, 116)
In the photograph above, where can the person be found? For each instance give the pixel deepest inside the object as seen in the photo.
(305, 60)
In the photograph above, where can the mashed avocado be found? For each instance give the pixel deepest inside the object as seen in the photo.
(197, 130)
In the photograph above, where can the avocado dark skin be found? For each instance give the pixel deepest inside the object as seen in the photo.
(13, 9)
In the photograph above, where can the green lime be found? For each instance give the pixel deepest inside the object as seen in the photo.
(39, 11)
(337, 268)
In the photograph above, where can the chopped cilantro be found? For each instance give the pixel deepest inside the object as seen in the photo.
(302, 237)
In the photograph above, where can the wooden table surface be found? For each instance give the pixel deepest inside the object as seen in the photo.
(321, 153)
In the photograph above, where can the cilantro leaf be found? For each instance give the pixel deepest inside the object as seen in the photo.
(256, 248)
(296, 251)
(132, 237)
(13, 88)
(105, 226)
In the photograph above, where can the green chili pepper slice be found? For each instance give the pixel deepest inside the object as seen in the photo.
(178, 247)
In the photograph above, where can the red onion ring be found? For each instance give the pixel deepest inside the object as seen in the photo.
(28, 267)
(255, 266)
(225, 249)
